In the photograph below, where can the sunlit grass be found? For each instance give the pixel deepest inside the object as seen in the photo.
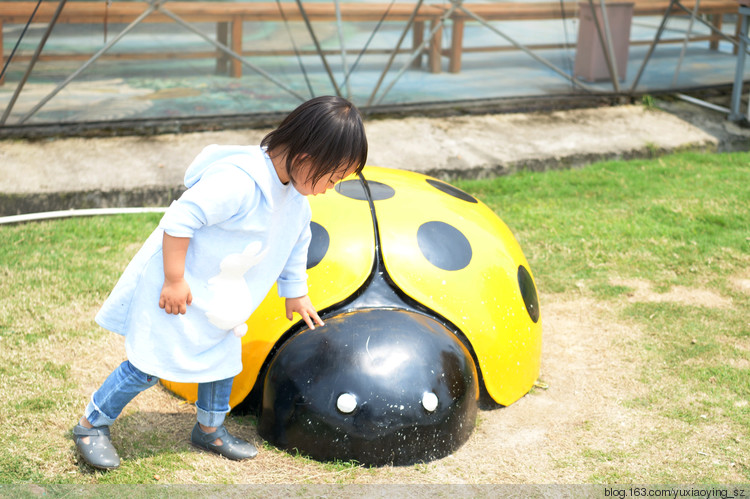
(681, 220)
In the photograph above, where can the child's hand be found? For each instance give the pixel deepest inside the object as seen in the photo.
(304, 307)
(175, 296)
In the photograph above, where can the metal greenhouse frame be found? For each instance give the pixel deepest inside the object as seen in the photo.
(397, 62)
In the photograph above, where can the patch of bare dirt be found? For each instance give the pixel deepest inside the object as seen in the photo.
(741, 283)
(541, 436)
(536, 439)
(642, 291)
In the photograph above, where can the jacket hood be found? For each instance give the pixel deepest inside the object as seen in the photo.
(218, 153)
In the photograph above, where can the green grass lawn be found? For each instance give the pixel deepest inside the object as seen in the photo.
(680, 222)
(676, 221)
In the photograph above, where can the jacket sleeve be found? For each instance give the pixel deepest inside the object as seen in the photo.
(292, 283)
(218, 196)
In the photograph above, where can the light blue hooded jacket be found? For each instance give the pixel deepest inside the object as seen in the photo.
(247, 231)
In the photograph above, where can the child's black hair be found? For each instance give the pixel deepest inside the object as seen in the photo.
(328, 129)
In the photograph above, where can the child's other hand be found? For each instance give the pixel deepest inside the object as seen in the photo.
(175, 296)
(304, 307)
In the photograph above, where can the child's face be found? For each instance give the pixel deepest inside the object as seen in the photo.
(304, 185)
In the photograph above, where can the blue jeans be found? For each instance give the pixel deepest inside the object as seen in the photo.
(127, 381)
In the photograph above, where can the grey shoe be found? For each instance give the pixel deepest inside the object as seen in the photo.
(232, 448)
(99, 452)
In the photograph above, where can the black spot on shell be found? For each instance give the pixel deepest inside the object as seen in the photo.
(528, 292)
(444, 246)
(453, 191)
(318, 244)
(355, 190)
(352, 189)
(380, 191)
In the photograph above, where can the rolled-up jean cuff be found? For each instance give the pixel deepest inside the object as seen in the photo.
(208, 418)
(95, 416)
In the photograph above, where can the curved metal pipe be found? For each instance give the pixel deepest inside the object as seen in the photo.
(49, 215)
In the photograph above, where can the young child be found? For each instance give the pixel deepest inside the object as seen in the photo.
(183, 300)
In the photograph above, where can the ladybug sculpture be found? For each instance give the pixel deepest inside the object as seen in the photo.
(428, 302)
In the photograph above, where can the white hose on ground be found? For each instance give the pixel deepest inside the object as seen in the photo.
(47, 215)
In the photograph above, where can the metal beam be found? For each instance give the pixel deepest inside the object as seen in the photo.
(735, 112)
(416, 52)
(318, 47)
(151, 8)
(653, 45)
(34, 58)
(606, 41)
(528, 51)
(693, 14)
(409, 23)
(228, 51)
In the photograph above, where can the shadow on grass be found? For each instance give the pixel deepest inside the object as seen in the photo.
(152, 443)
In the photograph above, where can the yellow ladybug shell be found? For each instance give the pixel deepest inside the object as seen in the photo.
(442, 248)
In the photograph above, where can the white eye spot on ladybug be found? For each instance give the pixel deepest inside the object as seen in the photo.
(429, 401)
(346, 403)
